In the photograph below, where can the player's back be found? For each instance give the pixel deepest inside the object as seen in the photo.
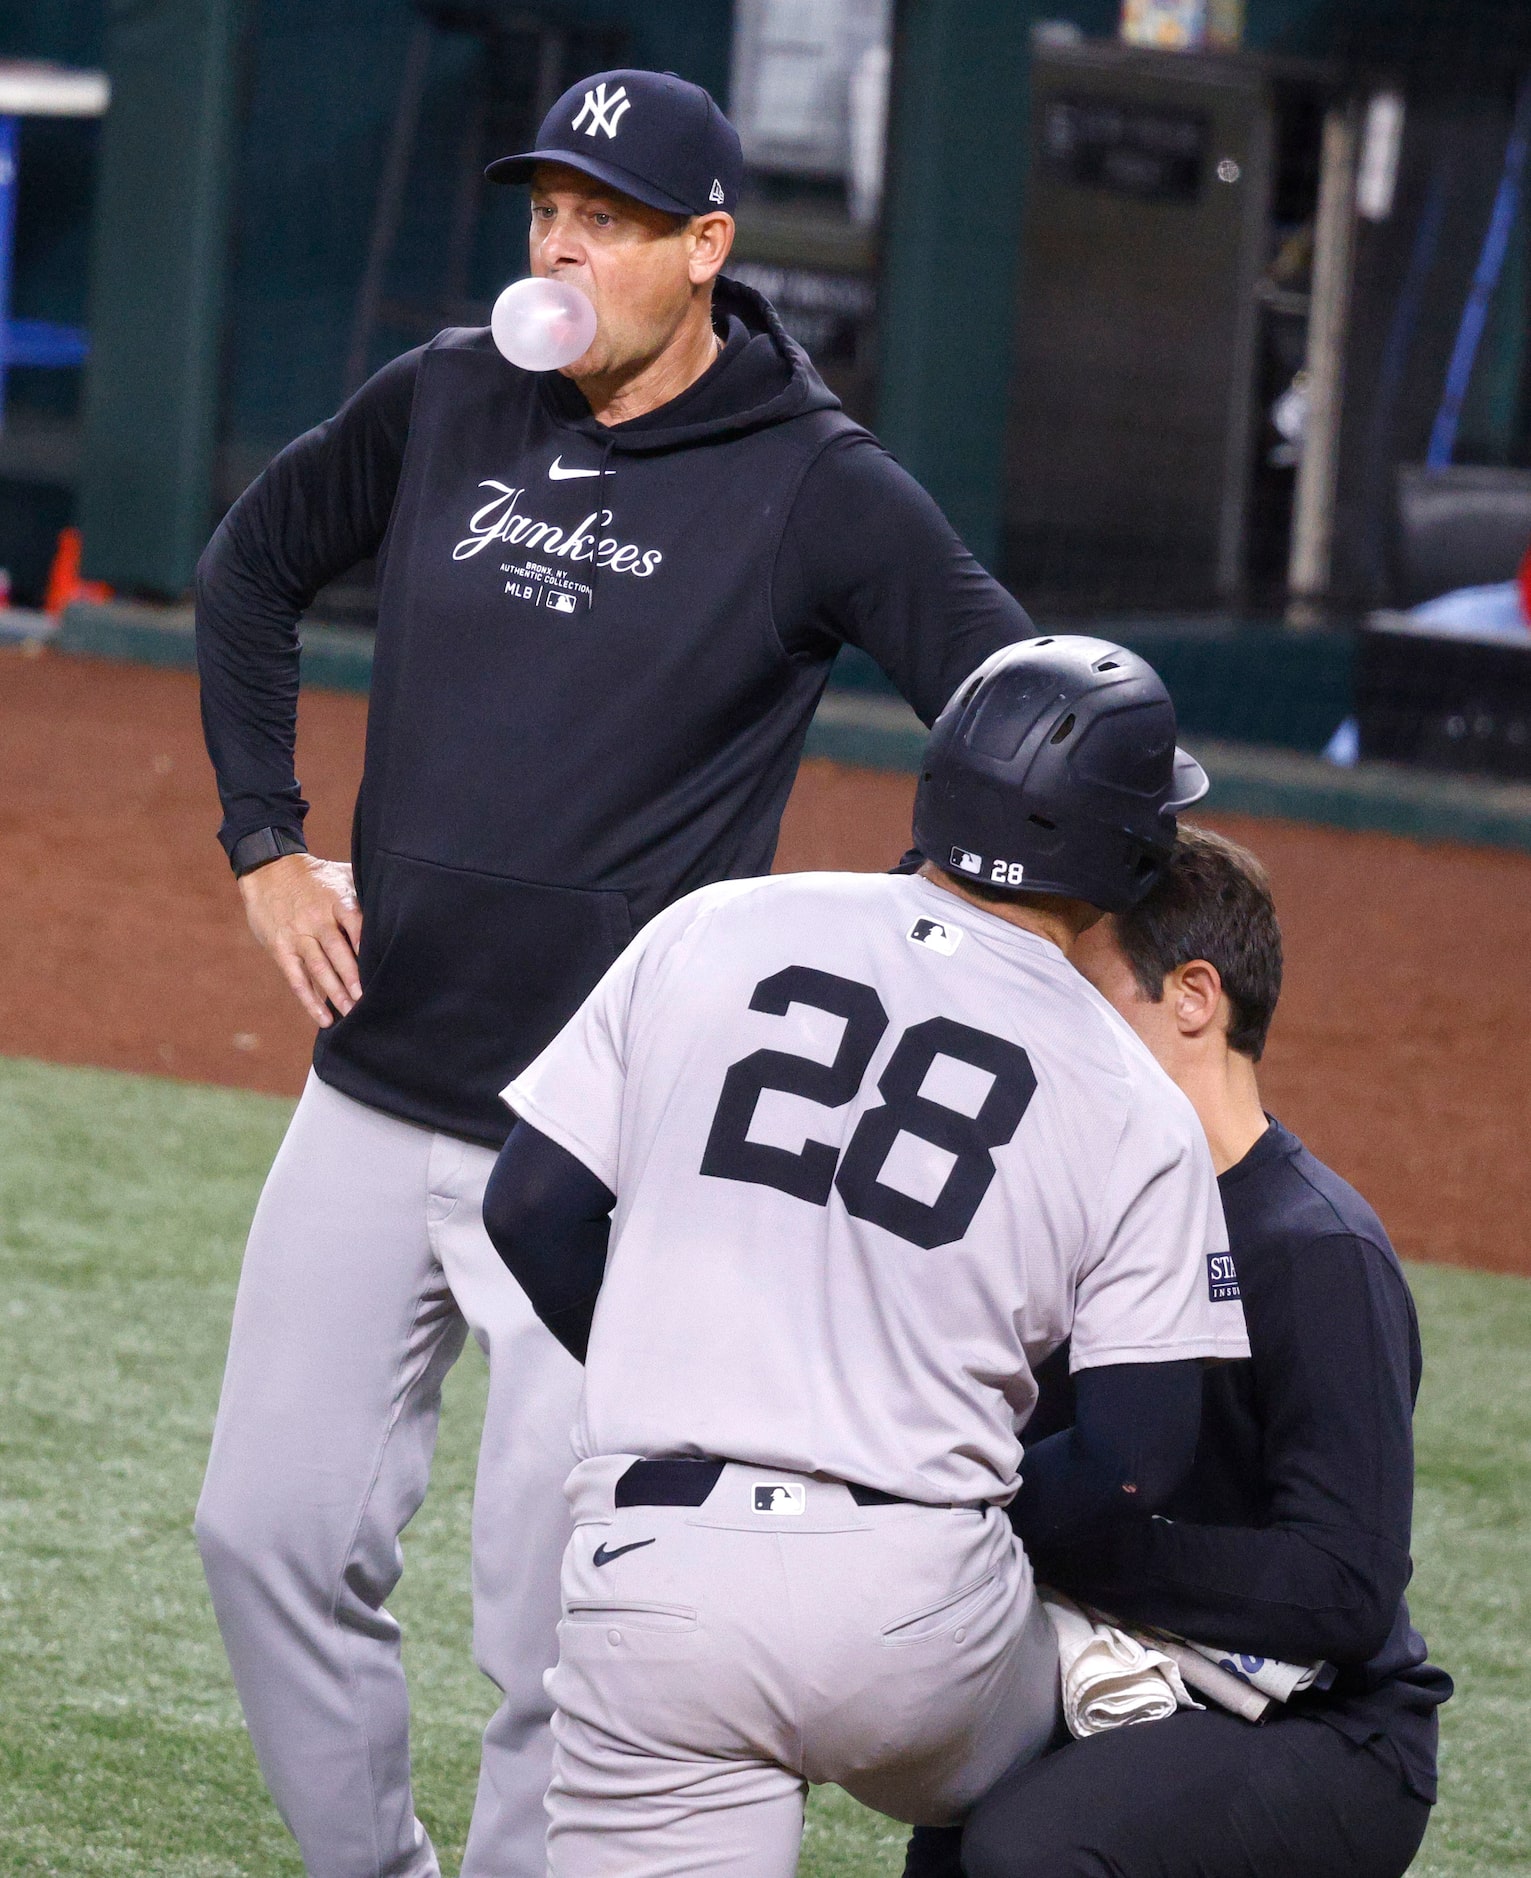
(877, 1151)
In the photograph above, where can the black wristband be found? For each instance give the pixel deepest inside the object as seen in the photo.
(263, 847)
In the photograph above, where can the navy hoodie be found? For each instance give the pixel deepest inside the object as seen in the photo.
(598, 651)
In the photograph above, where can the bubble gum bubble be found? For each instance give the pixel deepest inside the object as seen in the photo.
(542, 325)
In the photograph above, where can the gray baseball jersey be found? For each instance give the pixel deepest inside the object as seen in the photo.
(876, 1153)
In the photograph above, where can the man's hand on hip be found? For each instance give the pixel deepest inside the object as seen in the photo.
(304, 912)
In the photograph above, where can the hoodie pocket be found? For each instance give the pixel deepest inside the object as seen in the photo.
(465, 977)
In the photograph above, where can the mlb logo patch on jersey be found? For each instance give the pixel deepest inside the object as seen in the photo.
(1222, 1278)
(779, 1496)
(930, 932)
(966, 861)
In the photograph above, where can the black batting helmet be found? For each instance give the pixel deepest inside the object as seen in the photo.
(1054, 770)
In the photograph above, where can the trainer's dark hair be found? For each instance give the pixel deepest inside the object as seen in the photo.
(1212, 902)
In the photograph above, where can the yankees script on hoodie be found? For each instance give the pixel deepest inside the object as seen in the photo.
(598, 651)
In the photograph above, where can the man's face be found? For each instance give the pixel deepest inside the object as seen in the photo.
(1099, 957)
(637, 265)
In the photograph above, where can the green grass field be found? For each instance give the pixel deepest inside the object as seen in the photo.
(123, 1204)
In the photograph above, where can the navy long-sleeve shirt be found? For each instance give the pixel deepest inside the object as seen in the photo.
(598, 651)
(1290, 1537)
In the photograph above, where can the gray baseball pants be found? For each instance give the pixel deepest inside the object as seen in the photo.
(366, 1267)
(714, 1661)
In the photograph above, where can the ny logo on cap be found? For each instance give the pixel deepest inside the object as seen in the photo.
(604, 113)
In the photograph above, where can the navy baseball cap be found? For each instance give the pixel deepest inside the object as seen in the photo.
(650, 135)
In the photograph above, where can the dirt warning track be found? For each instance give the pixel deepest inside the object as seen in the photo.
(1401, 1052)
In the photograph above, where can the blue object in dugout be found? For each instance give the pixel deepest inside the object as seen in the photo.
(1475, 612)
(28, 342)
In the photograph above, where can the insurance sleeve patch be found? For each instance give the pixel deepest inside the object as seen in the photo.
(1222, 1278)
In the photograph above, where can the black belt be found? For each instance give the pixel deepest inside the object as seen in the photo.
(688, 1483)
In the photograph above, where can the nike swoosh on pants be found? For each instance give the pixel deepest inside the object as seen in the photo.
(603, 1557)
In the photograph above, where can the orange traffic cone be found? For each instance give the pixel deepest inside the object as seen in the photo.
(64, 582)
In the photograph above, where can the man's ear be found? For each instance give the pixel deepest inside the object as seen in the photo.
(711, 238)
(1194, 992)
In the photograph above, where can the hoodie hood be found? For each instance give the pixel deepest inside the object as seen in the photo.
(761, 377)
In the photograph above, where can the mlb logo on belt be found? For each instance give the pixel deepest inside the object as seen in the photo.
(779, 1496)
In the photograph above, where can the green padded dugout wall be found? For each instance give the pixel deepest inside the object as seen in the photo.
(157, 290)
(951, 230)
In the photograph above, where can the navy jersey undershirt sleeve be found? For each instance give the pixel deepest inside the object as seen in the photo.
(549, 1218)
(1132, 1442)
(869, 560)
(319, 507)
(1331, 1332)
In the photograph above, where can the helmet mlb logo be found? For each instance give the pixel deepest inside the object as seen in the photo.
(969, 862)
(780, 1496)
(604, 113)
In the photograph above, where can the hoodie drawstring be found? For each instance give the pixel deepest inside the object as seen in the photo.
(600, 511)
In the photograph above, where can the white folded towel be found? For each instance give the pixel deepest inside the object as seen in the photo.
(1110, 1679)
(1113, 1677)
